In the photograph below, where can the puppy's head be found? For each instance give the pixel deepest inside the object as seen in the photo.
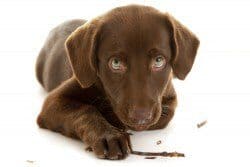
(133, 51)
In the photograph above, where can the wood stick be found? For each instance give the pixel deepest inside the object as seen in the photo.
(163, 154)
(199, 125)
(150, 157)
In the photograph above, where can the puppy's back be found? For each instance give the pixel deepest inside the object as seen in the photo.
(52, 67)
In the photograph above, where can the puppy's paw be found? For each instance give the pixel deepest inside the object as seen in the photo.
(112, 145)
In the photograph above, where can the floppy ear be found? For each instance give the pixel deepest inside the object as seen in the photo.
(81, 48)
(185, 45)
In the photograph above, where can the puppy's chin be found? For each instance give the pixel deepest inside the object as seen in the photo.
(142, 127)
(139, 127)
(123, 118)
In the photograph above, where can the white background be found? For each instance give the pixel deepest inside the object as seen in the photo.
(217, 89)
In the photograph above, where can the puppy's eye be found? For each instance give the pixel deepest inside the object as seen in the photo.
(159, 63)
(117, 65)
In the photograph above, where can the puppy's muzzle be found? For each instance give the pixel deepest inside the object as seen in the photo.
(140, 116)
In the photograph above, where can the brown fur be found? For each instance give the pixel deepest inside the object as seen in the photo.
(90, 102)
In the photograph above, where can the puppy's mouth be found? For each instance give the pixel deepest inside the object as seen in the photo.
(143, 124)
(139, 127)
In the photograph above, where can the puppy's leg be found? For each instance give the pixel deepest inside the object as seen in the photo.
(64, 111)
(168, 109)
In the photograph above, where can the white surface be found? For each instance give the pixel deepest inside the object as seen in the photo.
(217, 89)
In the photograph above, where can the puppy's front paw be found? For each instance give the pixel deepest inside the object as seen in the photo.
(112, 145)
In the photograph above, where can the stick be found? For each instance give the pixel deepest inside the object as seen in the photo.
(199, 125)
(150, 157)
(163, 154)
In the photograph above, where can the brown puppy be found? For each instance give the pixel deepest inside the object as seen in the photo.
(114, 74)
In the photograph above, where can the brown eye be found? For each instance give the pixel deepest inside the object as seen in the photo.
(117, 65)
(158, 63)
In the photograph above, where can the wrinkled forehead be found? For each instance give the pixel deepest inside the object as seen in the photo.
(135, 34)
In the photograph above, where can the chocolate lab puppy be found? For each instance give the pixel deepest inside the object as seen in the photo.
(113, 73)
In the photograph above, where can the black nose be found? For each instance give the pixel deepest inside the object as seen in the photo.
(140, 116)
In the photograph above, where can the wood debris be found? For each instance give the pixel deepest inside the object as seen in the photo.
(199, 125)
